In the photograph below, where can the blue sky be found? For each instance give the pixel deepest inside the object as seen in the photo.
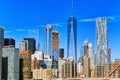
(22, 18)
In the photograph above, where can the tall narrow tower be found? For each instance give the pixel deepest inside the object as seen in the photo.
(48, 39)
(1, 46)
(55, 39)
(101, 39)
(101, 46)
(72, 38)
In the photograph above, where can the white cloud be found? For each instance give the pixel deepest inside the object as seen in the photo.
(8, 31)
(87, 20)
(20, 30)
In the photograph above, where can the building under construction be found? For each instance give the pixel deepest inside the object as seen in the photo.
(55, 39)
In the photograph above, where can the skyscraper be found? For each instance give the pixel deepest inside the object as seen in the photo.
(9, 42)
(10, 64)
(28, 44)
(72, 38)
(48, 39)
(1, 46)
(101, 46)
(55, 36)
(101, 39)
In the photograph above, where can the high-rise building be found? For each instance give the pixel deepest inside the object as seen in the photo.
(61, 53)
(1, 46)
(28, 44)
(31, 44)
(25, 65)
(22, 46)
(2, 36)
(72, 38)
(9, 42)
(101, 44)
(49, 39)
(10, 64)
(55, 39)
(85, 48)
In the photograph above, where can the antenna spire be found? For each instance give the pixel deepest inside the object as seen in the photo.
(72, 6)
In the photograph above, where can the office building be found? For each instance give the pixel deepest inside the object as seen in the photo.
(28, 44)
(9, 42)
(10, 64)
(86, 48)
(31, 44)
(22, 46)
(55, 39)
(1, 46)
(72, 38)
(48, 61)
(61, 62)
(61, 53)
(37, 60)
(25, 65)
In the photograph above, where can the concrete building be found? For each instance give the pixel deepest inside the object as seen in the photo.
(37, 59)
(69, 69)
(85, 48)
(61, 62)
(25, 65)
(10, 64)
(48, 61)
(61, 53)
(55, 39)
(1, 46)
(9, 42)
(22, 46)
(45, 74)
(114, 71)
(28, 44)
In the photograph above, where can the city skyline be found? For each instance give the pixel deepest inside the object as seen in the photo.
(21, 16)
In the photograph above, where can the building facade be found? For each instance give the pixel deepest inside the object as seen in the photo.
(28, 44)
(10, 64)
(49, 39)
(101, 43)
(9, 42)
(1, 46)
(72, 38)
(55, 39)
(25, 65)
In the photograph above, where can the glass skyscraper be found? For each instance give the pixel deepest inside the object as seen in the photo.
(72, 38)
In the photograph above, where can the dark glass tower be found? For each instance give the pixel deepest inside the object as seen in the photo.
(72, 38)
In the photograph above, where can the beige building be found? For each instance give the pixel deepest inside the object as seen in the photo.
(61, 62)
(114, 70)
(45, 73)
(69, 69)
(25, 64)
